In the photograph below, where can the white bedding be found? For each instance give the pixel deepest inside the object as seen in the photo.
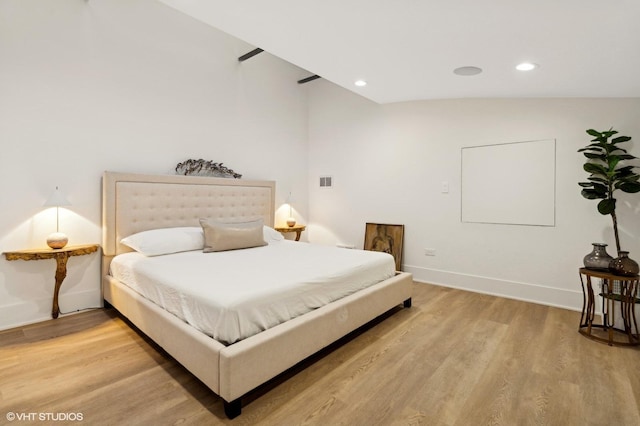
(235, 294)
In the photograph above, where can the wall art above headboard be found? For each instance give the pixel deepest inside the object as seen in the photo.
(202, 167)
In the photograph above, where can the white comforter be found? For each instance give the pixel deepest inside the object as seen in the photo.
(235, 294)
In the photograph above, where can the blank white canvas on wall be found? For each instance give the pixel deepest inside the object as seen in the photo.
(511, 183)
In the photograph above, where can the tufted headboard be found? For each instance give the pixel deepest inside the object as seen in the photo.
(133, 203)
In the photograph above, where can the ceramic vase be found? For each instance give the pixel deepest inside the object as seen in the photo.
(57, 240)
(598, 259)
(623, 265)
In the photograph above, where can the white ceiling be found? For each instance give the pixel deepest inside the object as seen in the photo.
(407, 49)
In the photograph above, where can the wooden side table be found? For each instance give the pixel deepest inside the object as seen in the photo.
(61, 256)
(295, 228)
(615, 288)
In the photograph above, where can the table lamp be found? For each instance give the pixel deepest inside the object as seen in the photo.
(57, 240)
(291, 221)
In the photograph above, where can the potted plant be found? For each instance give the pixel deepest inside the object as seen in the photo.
(608, 171)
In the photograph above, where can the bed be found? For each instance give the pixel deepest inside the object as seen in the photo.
(133, 203)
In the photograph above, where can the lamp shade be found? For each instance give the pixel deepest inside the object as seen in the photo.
(56, 199)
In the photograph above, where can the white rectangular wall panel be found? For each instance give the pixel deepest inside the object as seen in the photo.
(511, 183)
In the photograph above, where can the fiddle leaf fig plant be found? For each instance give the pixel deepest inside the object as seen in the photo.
(609, 171)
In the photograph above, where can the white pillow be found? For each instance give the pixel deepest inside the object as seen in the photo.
(156, 242)
(271, 234)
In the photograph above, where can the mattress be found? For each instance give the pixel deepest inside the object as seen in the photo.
(235, 294)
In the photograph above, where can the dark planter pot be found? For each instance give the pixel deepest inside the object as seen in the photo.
(623, 265)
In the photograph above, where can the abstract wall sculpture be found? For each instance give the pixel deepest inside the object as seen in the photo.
(205, 168)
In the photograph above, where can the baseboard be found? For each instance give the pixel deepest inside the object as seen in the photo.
(535, 293)
(34, 311)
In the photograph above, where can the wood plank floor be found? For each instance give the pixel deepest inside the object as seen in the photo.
(454, 358)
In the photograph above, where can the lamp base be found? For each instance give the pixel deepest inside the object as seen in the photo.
(291, 222)
(57, 240)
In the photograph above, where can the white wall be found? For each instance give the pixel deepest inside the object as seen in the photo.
(132, 85)
(124, 85)
(388, 163)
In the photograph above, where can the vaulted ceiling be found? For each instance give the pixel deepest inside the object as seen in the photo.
(408, 49)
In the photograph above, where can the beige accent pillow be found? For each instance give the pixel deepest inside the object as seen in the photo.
(219, 236)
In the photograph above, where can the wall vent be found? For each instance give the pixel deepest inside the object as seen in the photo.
(326, 181)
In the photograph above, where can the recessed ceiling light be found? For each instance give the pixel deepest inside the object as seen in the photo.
(466, 71)
(360, 83)
(526, 66)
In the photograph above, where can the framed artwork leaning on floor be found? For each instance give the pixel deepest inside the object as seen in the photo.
(385, 238)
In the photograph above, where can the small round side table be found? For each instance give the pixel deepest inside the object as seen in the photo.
(615, 289)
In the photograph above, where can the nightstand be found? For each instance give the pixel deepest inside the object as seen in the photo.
(61, 256)
(295, 228)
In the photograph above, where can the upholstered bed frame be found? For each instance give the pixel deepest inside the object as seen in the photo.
(134, 203)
